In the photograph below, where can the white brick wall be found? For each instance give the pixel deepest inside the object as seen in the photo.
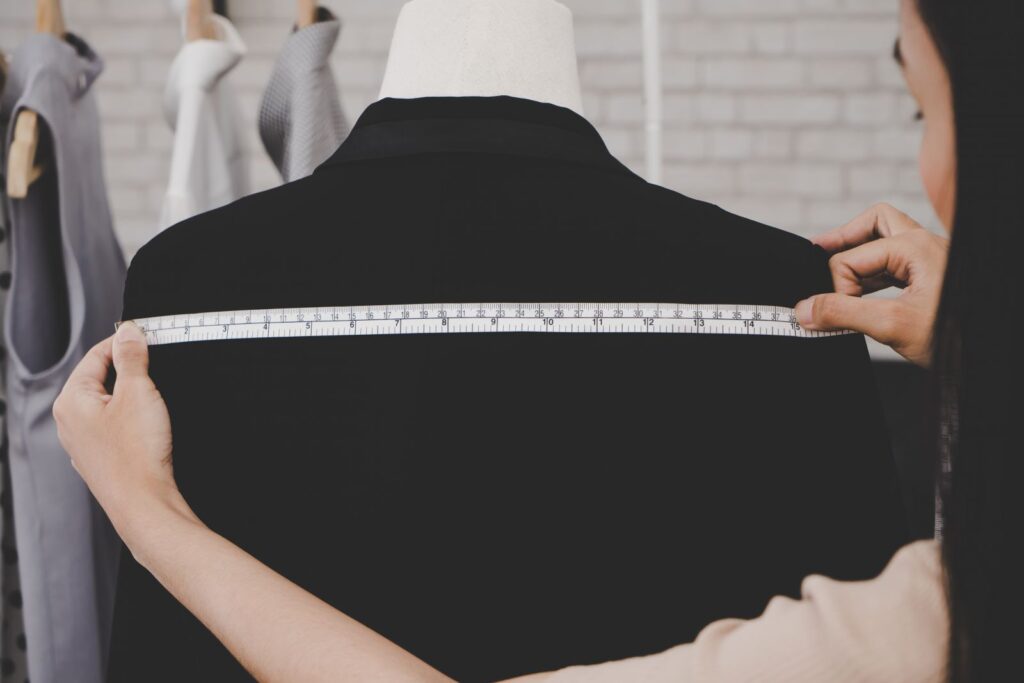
(788, 111)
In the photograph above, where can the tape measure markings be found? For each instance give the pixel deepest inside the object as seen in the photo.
(477, 318)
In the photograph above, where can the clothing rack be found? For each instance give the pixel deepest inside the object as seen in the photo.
(651, 18)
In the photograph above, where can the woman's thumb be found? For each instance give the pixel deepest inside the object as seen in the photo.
(131, 353)
(874, 317)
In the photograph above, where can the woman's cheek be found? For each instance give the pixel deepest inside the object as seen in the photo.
(937, 162)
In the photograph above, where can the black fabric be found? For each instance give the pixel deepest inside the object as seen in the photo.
(904, 390)
(502, 504)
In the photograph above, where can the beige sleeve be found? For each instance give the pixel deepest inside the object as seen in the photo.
(892, 628)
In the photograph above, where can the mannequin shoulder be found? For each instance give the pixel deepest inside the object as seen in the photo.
(185, 264)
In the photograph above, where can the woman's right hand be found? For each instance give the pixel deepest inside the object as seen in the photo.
(881, 248)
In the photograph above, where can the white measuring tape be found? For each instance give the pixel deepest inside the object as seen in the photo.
(477, 318)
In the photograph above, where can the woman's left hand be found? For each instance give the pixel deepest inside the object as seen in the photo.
(119, 442)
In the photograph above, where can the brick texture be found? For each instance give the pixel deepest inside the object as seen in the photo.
(787, 111)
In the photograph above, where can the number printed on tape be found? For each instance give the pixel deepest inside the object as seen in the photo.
(478, 318)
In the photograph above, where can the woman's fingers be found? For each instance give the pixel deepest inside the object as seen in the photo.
(859, 269)
(877, 318)
(130, 353)
(91, 373)
(880, 248)
(122, 442)
(881, 220)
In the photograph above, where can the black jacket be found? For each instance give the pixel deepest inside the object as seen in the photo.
(501, 504)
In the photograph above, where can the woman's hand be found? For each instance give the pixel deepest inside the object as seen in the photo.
(119, 442)
(881, 248)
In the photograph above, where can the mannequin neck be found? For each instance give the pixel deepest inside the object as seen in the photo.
(484, 48)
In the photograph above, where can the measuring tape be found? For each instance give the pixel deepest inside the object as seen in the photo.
(477, 318)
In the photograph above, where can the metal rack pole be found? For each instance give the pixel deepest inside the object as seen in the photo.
(653, 88)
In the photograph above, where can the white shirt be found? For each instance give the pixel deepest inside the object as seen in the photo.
(207, 165)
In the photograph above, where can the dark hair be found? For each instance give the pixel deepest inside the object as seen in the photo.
(978, 346)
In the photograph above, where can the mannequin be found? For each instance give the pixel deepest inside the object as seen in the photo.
(459, 48)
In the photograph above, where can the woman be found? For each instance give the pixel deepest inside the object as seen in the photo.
(962, 62)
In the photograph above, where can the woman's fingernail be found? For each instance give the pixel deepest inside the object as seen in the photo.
(129, 331)
(803, 311)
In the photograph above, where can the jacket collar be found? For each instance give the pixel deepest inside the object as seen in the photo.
(201, 64)
(309, 48)
(474, 125)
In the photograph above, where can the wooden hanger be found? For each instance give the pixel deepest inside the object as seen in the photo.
(305, 14)
(49, 17)
(199, 24)
(22, 170)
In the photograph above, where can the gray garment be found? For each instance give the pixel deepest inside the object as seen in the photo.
(68, 272)
(13, 665)
(301, 122)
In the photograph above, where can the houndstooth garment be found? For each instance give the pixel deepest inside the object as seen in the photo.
(301, 121)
